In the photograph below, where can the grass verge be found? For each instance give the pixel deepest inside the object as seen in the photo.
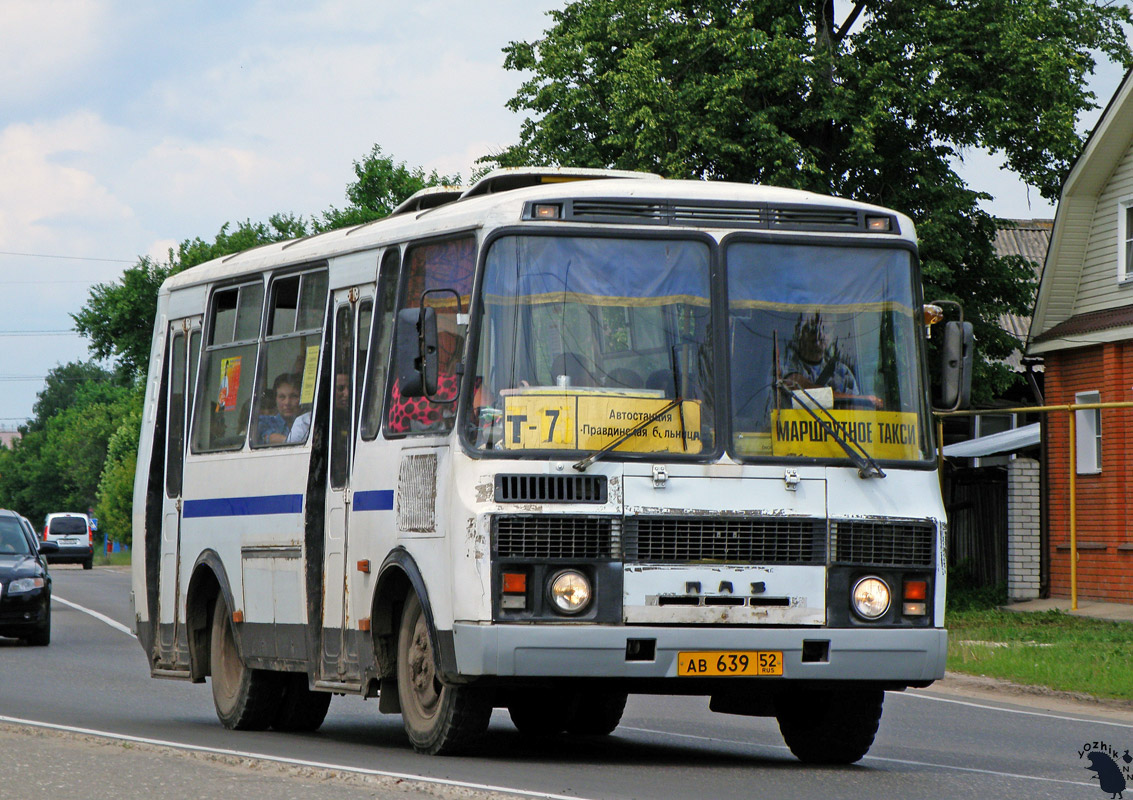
(1049, 648)
(119, 559)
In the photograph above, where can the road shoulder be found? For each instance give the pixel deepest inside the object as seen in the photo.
(993, 690)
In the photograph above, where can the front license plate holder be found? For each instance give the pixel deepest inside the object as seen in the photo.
(730, 663)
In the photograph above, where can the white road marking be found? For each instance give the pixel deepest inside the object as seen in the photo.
(100, 617)
(867, 758)
(296, 762)
(1046, 714)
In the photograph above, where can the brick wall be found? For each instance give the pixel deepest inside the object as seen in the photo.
(1023, 529)
(1104, 513)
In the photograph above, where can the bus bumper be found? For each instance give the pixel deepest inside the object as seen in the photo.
(601, 651)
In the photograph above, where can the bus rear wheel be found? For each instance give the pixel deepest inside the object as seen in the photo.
(439, 719)
(300, 709)
(831, 726)
(245, 699)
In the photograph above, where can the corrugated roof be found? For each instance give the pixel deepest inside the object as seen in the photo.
(1030, 239)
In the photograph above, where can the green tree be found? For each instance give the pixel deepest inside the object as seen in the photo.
(57, 464)
(66, 384)
(381, 185)
(116, 484)
(876, 106)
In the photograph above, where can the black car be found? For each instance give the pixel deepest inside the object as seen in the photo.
(25, 583)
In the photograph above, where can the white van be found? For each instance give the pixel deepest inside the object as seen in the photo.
(73, 533)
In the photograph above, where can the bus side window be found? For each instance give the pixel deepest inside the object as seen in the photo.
(286, 382)
(228, 366)
(382, 333)
(436, 265)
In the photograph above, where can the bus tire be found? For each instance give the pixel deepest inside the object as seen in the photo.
(540, 712)
(439, 719)
(831, 726)
(245, 699)
(300, 709)
(596, 713)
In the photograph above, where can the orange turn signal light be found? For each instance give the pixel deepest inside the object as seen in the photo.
(515, 583)
(916, 590)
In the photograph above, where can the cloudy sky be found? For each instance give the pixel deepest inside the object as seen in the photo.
(126, 127)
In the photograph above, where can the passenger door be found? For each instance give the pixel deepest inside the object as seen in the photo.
(339, 660)
(184, 349)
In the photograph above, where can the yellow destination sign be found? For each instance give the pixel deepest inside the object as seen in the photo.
(882, 434)
(577, 420)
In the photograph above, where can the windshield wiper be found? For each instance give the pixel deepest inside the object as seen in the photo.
(867, 467)
(645, 423)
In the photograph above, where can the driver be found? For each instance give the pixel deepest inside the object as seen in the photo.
(812, 363)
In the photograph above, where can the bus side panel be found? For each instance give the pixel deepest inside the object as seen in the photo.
(248, 509)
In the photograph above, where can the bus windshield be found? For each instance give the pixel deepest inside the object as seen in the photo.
(821, 339)
(583, 340)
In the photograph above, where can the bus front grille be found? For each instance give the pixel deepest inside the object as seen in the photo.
(883, 543)
(555, 536)
(729, 540)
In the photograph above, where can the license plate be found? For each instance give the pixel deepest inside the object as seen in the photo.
(70, 540)
(715, 663)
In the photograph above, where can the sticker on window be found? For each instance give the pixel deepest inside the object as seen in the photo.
(229, 383)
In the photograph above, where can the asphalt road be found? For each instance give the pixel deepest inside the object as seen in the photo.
(948, 741)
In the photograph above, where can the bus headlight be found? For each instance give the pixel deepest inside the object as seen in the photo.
(570, 591)
(870, 597)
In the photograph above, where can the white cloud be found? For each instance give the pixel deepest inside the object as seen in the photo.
(48, 188)
(45, 43)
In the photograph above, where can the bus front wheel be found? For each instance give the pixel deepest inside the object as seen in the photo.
(829, 726)
(245, 699)
(597, 713)
(439, 719)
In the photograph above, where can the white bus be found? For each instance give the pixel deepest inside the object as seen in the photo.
(538, 444)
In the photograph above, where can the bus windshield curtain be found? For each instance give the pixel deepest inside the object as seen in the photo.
(544, 269)
(805, 278)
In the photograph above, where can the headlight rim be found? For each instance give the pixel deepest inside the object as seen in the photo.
(856, 607)
(551, 596)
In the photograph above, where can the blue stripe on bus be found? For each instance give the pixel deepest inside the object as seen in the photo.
(244, 506)
(380, 500)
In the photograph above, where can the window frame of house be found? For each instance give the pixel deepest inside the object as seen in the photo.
(1088, 435)
(1125, 239)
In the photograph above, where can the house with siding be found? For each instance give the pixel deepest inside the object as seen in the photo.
(1082, 327)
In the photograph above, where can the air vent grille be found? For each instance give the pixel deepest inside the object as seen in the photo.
(545, 536)
(889, 544)
(551, 489)
(719, 214)
(734, 540)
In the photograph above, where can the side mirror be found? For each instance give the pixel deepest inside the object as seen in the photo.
(417, 351)
(47, 547)
(956, 355)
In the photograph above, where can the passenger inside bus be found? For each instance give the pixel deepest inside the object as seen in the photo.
(274, 428)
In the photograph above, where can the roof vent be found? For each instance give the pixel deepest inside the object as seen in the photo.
(506, 180)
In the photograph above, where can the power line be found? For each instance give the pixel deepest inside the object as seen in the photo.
(41, 333)
(68, 258)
